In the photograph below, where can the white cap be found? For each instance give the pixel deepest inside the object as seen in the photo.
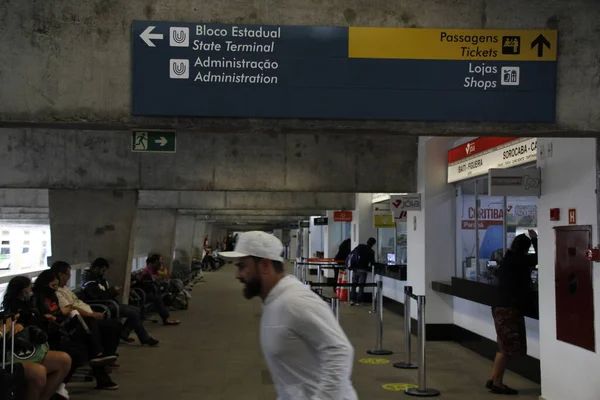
(256, 244)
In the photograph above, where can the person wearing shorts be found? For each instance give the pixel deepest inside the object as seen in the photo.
(514, 279)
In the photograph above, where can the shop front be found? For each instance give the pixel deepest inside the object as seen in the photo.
(486, 224)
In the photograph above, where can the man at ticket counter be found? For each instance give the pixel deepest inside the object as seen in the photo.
(514, 279)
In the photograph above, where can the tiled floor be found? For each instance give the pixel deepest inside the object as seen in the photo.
(215, 354)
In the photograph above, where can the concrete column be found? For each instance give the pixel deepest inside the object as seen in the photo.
(431, 231)
(363, 227)
(155, 233)
(184, 238)
(86, 224)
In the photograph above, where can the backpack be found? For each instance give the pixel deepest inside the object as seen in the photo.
(353, 260)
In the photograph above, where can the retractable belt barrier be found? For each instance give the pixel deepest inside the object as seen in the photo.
(334, 303)
(301, 268)
(421, 390)
(379, 350)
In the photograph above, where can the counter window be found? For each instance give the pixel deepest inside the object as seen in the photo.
(486, 226)
(391, 244)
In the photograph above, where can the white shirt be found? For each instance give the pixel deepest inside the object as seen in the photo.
(308, 353)
(66, 297)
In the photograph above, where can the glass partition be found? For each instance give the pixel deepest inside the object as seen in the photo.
(486, 226)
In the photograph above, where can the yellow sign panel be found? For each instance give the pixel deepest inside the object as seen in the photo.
(384, 221)
(453, 44)
(398, 387)
(373, 361)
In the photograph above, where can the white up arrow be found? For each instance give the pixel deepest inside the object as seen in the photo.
(162, 141)
(147, 35)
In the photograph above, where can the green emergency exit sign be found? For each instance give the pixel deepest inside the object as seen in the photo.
(153, 141)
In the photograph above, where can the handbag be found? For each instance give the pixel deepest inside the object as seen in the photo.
(29, 345)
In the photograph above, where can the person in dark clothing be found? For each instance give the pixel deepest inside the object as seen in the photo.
(229, 244)
(96, 287)
(514, 280)
(342, 254)
(360, 270)
(152, 289)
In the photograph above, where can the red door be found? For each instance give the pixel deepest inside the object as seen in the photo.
(574, 287)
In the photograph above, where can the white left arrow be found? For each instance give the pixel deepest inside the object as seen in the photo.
(147, 35)
(162, 141)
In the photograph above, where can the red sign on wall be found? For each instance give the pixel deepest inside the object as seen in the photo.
(342, 216)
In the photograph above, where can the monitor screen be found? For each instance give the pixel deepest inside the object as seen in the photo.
(391, 258)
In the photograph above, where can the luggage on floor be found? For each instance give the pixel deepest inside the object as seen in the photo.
(12, 378)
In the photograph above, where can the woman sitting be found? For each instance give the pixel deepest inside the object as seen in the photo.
(64, 334)
(43, 378)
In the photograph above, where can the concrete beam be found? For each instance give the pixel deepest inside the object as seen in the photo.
(249, 200)
(85, 78)
(233, 162)
(204, 214)
(24, 198)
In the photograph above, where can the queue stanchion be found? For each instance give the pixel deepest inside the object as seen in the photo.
(407, 363)
(350, 275)
(319, 273)
(335, 307)
(373, 309)
(422, 390)
(379, 350)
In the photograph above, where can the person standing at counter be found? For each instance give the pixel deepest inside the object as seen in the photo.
(361, 259)
(514, 279)
(342, 254)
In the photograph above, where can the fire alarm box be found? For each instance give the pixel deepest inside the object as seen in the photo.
(592, 255)
(555, 214)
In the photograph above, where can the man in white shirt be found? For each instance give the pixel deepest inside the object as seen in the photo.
(306, 350)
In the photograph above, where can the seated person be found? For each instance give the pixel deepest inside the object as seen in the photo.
(149, 284)
(109, 329)
(44, 379)
(96, 287)
(35, 311)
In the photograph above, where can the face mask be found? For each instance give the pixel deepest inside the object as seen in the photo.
(27, 296)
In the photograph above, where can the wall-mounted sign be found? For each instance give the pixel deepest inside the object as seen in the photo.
(342, 216)
(515, 182)
(572, 216)
(319, 72)
(478, 156)
(384, 221)
(153, 141)
(304, 224)
(320, 221)
(405, 202)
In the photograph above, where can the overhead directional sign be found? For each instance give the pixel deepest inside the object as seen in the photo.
(272, 71)
(452, 44)
(153, 141)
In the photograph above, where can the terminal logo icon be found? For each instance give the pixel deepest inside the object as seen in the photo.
(179, 68)
(510, 76)
(511, 44)
(179, 36)
(470, 148)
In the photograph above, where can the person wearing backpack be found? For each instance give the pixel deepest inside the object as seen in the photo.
(360, 261)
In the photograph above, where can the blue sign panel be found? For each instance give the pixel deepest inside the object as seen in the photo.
(259, 71)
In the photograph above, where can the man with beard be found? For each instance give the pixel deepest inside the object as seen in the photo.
(307, 352)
